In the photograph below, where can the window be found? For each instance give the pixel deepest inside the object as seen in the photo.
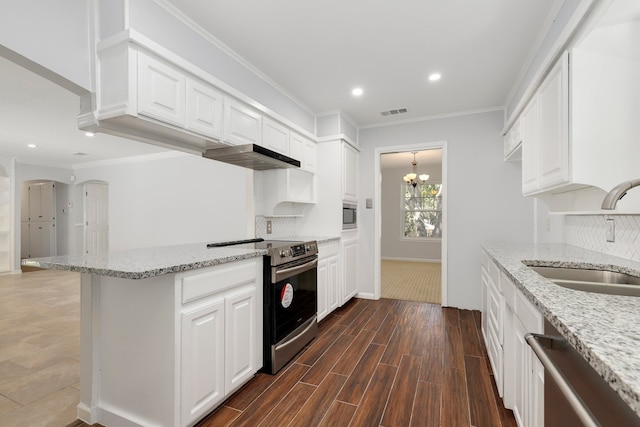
(422, 210)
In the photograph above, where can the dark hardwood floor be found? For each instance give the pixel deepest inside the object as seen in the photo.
(388, 363)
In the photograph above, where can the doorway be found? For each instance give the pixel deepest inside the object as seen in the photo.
(410, 221)
(95, 224)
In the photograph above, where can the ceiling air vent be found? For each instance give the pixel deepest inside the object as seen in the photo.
(80, 154)
(394, 112)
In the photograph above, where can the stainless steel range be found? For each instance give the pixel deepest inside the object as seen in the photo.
(290, 297)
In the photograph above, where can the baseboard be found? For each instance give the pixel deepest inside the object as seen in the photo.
(84, 413)
(365, 295)
(410, 259)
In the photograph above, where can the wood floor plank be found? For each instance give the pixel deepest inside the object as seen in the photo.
(354, 311)
(333, 354)
(453, 352)
(451, 317)
(482, 407)
(455, 401)
(470, 339)
(339, 415)
(371, 408)
(289, 406)
(320, 401)
(377, 319)
(267, 401)
(426, 407)
(358, 381)
(352, 356)
(400, 404)
(358, 324)
(507, 419)
(251, 391)
(386, 329)
(320, 345)
(401, 340)
(433, 359)
(221, 417)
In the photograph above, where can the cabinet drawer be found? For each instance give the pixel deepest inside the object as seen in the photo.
(215, 279)
(508, 291)
(529, 316)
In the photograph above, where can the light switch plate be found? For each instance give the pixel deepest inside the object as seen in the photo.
(610, 228)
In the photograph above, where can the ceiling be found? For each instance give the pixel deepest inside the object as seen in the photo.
(317, 52)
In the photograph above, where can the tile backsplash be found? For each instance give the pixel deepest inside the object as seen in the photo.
(588, 231)
(280, 227)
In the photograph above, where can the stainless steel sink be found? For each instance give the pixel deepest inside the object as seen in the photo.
(599, 281)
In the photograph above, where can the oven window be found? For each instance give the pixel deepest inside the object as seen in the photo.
(294, 302)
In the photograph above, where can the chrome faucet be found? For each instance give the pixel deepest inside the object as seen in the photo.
(618, 193)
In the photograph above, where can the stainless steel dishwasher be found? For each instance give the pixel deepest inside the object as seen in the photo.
(574, 393)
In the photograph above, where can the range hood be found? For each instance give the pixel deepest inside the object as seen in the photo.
(251, 156)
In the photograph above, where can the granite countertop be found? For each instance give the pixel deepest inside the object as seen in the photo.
(148, 262)
(604, 329)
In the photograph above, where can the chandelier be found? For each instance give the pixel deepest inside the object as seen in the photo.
(413, 178)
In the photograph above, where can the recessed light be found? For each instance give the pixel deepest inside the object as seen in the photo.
(31, 145)
(434, 77)
(89, 134)
(357, 91)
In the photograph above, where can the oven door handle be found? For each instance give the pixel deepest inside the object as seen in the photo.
(539, 343)
(278, 275)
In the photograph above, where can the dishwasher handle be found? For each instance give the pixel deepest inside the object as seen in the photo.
(539, 344)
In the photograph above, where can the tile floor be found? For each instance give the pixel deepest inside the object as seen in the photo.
(39, 348)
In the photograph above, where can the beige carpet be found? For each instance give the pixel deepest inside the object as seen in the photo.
(411, 281)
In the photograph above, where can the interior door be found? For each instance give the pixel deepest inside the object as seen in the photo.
(96, 218)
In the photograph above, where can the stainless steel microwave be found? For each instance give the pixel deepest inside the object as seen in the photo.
(349, 216)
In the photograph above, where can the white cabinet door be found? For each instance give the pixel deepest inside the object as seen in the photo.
(161, 91)
(323, 288)
(275, 136)
(42, 239)
(242, 125)
(204, 109)
(309, 154)
(553, 126)
(520, 365)
(303, 149)
(42, 202)
(241, 346)
(530, 148)
(334, 283)
(349, 173)
(202, 360)
(350, 269)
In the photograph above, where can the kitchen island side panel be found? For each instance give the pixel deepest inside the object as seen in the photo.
(133, 378)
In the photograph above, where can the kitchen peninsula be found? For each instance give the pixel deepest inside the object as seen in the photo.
(166, 333)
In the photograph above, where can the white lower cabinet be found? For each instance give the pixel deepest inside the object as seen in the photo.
(328, 279)
(202, 360)
(349, 269)
(221, 332)
(518, 373)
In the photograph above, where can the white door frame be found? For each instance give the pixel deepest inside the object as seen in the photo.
(378, 210)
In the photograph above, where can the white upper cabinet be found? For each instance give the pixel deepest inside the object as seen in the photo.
(349, 173)
(545, 133)
(148, 94)
(204, 109)
(161, 91)
(275, 136)
(553, 126)
(303, 149)
(242, 124)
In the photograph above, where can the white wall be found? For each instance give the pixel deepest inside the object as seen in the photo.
(174, 200)
(484, 195)
(393, 244)
(50, 38)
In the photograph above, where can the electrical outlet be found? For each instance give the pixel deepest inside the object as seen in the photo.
(269, 227)
(610, 228)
